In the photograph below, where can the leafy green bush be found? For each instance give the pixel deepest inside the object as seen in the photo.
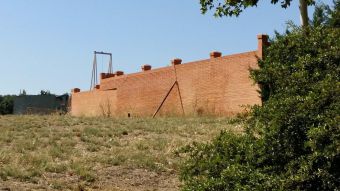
(298, 125)
(292, 141)
(228, 163)
(6, 105)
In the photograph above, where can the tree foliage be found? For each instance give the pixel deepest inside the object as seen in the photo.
(235, 7)
(324, 15)
(45, 92)
(6, 105)
(292, 141)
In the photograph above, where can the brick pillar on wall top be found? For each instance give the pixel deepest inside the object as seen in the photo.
(262, 42)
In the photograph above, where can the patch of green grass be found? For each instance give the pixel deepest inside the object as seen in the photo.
(56, 167)
(93, 148)
(115, 160)
(83, 170)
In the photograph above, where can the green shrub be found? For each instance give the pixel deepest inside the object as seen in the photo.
(6, 104)
(228, 162)
(292, 141)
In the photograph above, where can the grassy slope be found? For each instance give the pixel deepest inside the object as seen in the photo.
(62, 152)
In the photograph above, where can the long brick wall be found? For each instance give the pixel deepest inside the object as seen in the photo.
(216, 86)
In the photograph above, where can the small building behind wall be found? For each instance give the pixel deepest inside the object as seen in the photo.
(40, 104)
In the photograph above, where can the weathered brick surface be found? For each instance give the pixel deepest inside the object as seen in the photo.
(94, 103)
(217, 86)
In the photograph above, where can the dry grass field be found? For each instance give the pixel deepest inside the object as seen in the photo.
(67, 153)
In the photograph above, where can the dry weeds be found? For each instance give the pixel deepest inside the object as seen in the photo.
(68, 153)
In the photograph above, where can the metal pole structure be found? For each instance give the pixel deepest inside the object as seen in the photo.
(179, 91)
(110, 71)
(110, 62)
(94, 73)
(166, 96)
(94, 77)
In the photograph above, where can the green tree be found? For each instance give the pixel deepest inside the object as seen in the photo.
(45, 92)
(327, 16)
(292, 141)
(299, 122)
(22, 93)
(235, 7)
(6, 105)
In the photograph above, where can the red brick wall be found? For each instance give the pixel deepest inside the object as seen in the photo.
(94, 103)
(217, 86)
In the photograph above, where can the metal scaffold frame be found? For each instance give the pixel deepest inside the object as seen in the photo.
(94, 76)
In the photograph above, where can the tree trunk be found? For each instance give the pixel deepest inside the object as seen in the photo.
(303, 13)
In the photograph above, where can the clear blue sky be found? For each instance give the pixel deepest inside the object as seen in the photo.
(49, 44)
